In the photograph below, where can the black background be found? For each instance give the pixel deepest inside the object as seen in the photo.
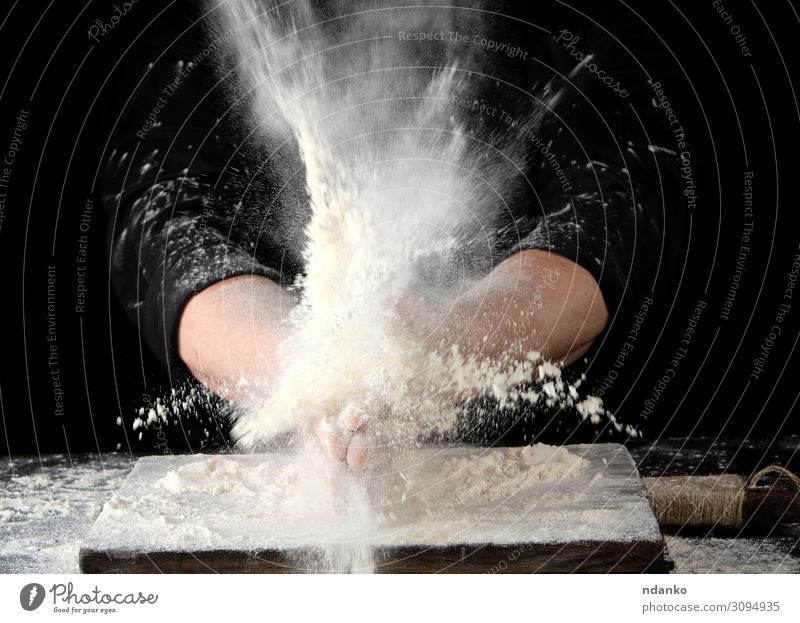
(740, 113)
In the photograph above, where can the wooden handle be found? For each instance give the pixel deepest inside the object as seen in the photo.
(726, 499)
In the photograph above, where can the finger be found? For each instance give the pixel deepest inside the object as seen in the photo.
(358, 452)
(332, 441)
(352, 417)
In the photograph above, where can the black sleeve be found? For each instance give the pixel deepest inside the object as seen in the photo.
(606, 168)
(173, 228)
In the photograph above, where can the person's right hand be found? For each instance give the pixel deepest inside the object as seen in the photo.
(229, 335)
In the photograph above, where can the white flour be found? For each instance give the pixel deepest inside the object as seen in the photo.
(733, 555)
(434, 497)
(43, 533)
(46, 512)
(425, 478)
(412, 497)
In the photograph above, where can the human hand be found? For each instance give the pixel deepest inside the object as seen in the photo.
(341, 437)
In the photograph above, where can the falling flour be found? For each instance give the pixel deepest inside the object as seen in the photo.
(405, 192)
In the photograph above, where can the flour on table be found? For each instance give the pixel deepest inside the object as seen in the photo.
(48, 505)
(431, 497)
(475, 477)
(733, 555)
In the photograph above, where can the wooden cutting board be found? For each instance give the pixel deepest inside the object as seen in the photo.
(597, 521)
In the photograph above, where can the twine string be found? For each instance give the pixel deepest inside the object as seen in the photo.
(707, 500)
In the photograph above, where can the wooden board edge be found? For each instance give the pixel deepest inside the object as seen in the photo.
(577, 557)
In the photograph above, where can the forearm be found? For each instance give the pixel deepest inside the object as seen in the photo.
(231, 332)
(533, 301)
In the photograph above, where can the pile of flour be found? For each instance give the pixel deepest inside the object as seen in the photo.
(417, 480)
(426, 497)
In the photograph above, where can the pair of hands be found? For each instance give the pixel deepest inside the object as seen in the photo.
(532, 301)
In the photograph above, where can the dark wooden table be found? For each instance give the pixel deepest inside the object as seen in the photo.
(48, 503)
